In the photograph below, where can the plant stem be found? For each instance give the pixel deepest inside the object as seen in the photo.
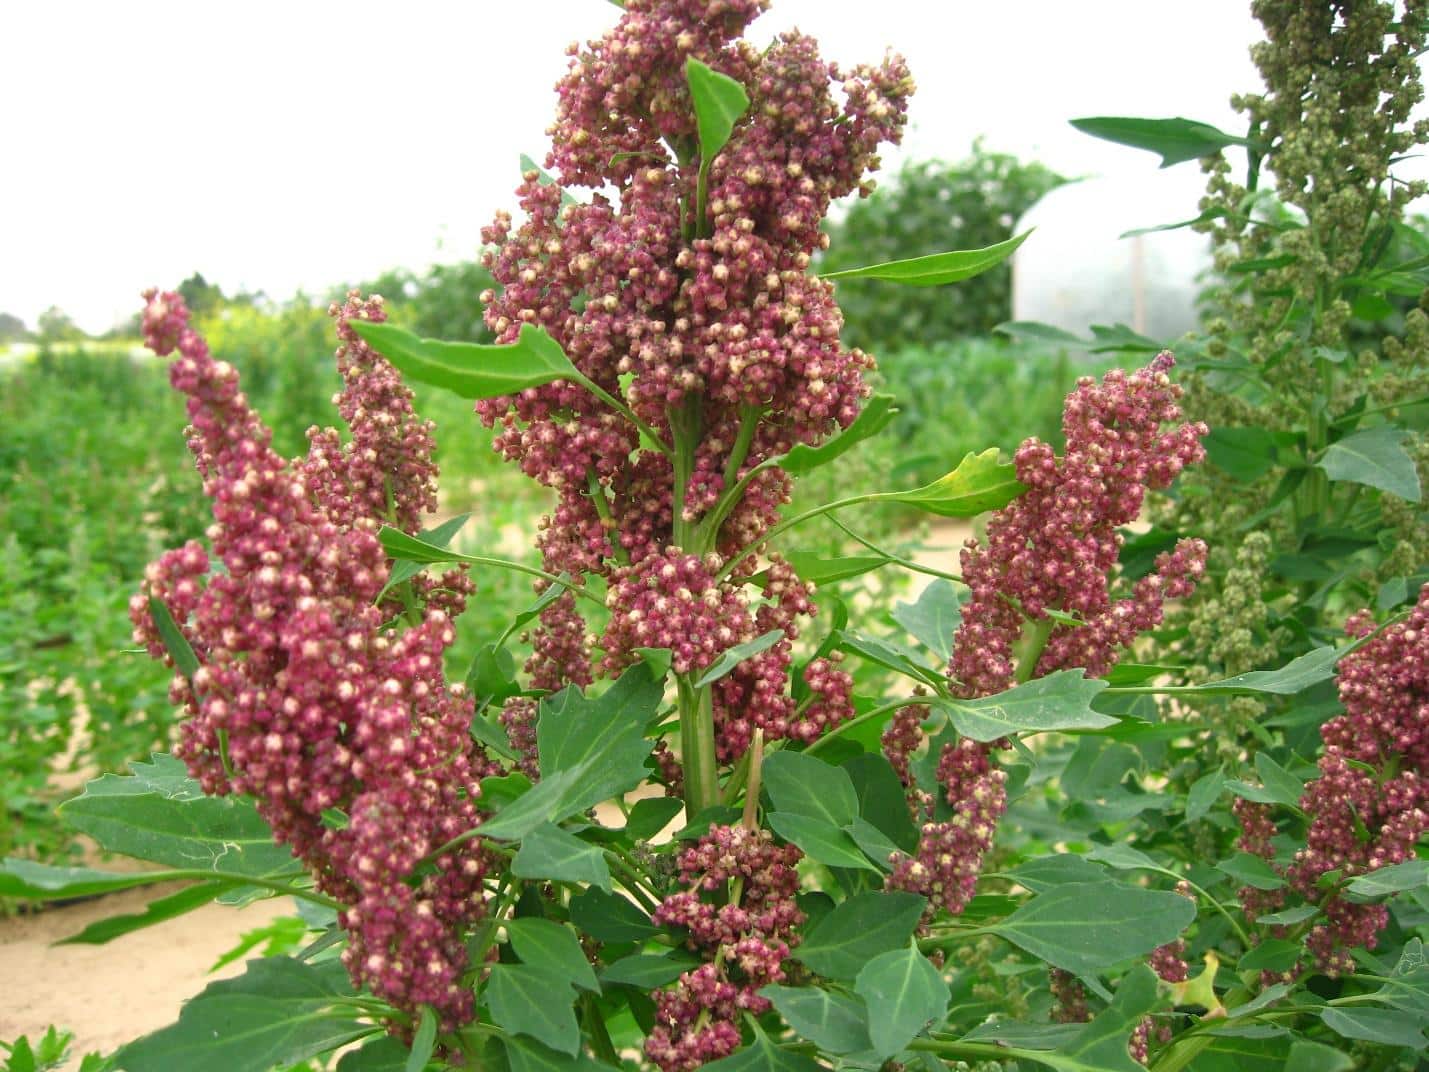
(797, 519)
(751, 796)
(866, 717)
(898, 560)
(520, 567)
(626, 412)
(697, 747)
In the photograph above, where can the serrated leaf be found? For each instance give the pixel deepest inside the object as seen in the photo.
(937, 269)
(552, 947)
(1386, 881)
(470, 369)
(1059, 701)
(820, 840)
(279, 1012)
(525, 1000)
(858, 929)
(732, 657)
(834, 1022)
(908, 993)
(806, 785)
(548, 852)
(1376, 457)
(934, 618)
(719, 101)
(1174, 140)
(647, 971)
(1251, 870)
(875, 416)
(980, 483)
(1086, 927)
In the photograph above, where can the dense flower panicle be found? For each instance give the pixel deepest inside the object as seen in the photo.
(301, 698)
(560, 646)
(1056, 546)
(747, 935)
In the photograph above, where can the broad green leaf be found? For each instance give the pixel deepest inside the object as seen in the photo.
(471, 369)
(806, 785)
(1204, 793)
(165, 908)
(548, 801)
(834, 1022)
(1295, 676)
(1272, 954)
(1243, 453)
(1086, 927)
(762, 1055)
(1250, 870)
(1388, 1027)
(859, 929)
(438, 536)
(1385, 881)
(552, 947)
(382, 1053)
(814, 568)
(608, 917)
(881, 799)
(158, 813)
(525, 1000)
(1048, 872)
(937, 269)
(548, 852)
(1174, 140)
(820, 840)
(907, 993)
(1285, 787)
(651, 815)
(1123, 857)
(424, 1041)
(1375, 457)
(526, 1055)
(934, 618)
(1059, 701)
(279, 1012)
(885, 654)
(719, 102)
(36, 881)
(875, 416)
(175, 643)
(657, 659)
(732, 657)
(647, 971)
(1307, 1056)
(980, 483)
(1101, 1045)
(876, 845)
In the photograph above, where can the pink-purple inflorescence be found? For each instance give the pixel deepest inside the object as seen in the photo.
(1053, 548)
(303, 697)
(694, 306)
(1370, 805)
(739, 908)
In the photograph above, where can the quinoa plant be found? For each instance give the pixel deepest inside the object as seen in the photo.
(677, 837)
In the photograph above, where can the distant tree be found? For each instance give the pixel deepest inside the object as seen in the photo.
(55, 325)
(445, 303)
(201, 296)
(927, 207)
(12, 328)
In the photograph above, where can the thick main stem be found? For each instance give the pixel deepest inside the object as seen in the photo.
(697, 747)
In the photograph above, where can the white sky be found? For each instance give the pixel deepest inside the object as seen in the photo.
(286, 145)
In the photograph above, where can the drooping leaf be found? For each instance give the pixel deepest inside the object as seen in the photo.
(908, 994)
(1086, 927)
(814, 568)
(526, 1000)
(732, 657)
(1059, 701)
(806, 785)
(1174, 140)
(552, 947)
(820, 840)
(857, 930)
(1375, 456)
(36, 881)
(279, 1012)
(165, 908)
(885, 654)
(980, 483)
(548, 852)
(934, 618)
(719, 102)
(875, 416)
(175, 643)
(937, 269)
(832, 1021)
(471, 369)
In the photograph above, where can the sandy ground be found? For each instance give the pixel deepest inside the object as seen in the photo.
(109, 994)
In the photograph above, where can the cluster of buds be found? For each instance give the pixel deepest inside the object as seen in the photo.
(301, 697)
(739, 909)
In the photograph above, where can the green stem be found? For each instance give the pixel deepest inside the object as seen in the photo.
(697, 747)
(625, 411)
(734, 484)
(898, 560)
(596, 494)
(797, 519)
(866, 717)
(685, 425)
(750, 818)
(1029, 646)
(600, 1040)
(631, 882)
(532, 571)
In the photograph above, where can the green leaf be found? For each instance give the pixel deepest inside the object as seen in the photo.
(1285, 787)
(814, 568)
(1102, 1045)
(526, 1055)
(175, 643)
(876, 845)
(1059, 701)
(834, 1022)
(732, 657)
(1306, 1056)
(1289, 916)
(279, 1012)
(1047, 872)
(1203, 794)
(979, 483)
(1375, 457)
(544, 177)
(548, 852)
(881, 799)
(608, 917)
(36, 881)
(651, 815)
(1272, 954)
(885, 654)
(875, 416)
(423, 1042)
(1295, 676)
(1243, 453)
(438, 536)
(1123, 858)
(158, 813)
(382, 1053)
(820, 840)
(647, 971)
(908, 994)
(1388, 1027)
(1034, 331)
(1085, 927)
(719, 102)
(762, 1055)
(1251, 870)
(859, 929)
(937, 269)
(806, 785)
(165, 908)
(552, 947)
(471, 369)
(527, 1000)
(1174, 140)
(934, 618)
(1386, 881)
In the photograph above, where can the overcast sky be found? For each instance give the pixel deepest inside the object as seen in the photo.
(282, 145)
